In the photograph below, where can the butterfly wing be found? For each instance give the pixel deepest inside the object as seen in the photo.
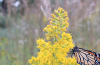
(86, 57)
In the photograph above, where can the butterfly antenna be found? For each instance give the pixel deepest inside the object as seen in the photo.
(74, 41)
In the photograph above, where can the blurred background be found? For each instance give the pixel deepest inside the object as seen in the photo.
(22, 23)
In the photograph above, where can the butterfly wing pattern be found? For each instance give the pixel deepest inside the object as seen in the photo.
(86, 57)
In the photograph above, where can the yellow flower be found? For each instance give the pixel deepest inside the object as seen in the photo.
(51, 22)
(59, 8)
(55, 11)
(45, 29)
(55, 52)
(48, 26)
(53, 16)
(30, 61)
(67, 18)
(65, 13)
(48, 38)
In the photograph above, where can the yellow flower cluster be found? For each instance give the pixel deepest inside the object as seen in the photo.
(58, 24)
(55, 53)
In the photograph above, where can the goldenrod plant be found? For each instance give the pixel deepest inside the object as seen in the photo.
(55, 53)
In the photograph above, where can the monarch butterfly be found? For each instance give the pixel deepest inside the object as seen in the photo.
(86, 57)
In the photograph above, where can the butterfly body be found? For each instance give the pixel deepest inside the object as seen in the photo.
(86, 57)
